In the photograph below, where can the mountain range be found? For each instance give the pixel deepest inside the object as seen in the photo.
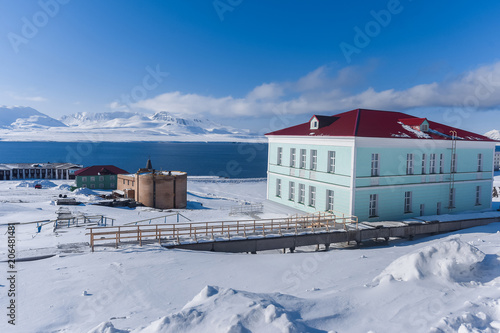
(27, 124)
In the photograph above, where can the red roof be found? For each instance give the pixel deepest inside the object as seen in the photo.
(413, 121)
(97, 170)
(379, 124)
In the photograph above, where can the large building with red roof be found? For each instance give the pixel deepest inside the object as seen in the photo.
(102, 177)
(379, 165)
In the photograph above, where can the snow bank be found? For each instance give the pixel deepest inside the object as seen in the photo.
(217, 309)
(84, 191)
(32, 183)
(451, 259)
(106, 327)
(64, 187)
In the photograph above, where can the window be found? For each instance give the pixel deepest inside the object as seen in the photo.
(278, 187)
(454, 163)
(331, 162)
(478, 195)
(424, 164)
(312, 196)
(432, 167)
(373, 205)
(92, 185)
(302, 159)
(113, 185)
(112, 177)
(425, 127)
(438, 208)
(101, 178)
(441, 163)
(279, 156)
(422, 209)
(292, 157)
(124, 182)
(84, 179)
(409, 164)
(451, 203)
(479, 162)
(132, 183)
(314, 159)
(92, 179)
(302, 193)
(101, 185)
(329, 199)
(291, 191)
(84, 185)
(375, 165)
(408, 202)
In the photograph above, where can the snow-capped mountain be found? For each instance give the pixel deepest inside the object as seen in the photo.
(18, 117)
(493, 134)
(28, 124)
(164, 121)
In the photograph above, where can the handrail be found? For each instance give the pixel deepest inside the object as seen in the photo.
(211, 230)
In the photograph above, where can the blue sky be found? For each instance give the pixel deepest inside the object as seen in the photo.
(262, 65)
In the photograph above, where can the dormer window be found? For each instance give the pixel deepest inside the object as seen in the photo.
(314, 124)
(417, 124)
(424, 127)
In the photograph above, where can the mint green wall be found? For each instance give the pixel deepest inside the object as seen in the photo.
(319, 178)
(109, 182)
(341, 195)
(391, 200)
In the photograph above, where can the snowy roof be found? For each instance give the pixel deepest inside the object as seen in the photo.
(10, 166)
(378, 124)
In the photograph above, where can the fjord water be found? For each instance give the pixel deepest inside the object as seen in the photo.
(225, 159)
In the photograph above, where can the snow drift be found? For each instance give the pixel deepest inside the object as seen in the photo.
(217, 309)
(451, 260)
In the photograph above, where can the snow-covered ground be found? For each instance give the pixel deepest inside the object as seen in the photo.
(439, 283)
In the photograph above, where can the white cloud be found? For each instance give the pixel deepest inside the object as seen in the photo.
(317, 92)
(27, 98)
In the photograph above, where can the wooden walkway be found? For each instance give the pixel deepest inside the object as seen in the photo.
(172, 235)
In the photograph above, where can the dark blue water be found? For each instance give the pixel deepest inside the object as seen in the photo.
(233, 160)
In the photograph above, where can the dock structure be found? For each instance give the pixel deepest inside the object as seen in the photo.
(260, 235)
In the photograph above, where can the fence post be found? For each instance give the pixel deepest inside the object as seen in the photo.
(91, 240)
(159, 237)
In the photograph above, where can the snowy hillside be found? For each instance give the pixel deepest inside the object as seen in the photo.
(493, 134)
(27, 124)
(18, 117)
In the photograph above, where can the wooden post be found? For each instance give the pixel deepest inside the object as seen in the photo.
(140, 237)
(91, 240)
(206, 229)
(159, 237)
(212, 232)
(138, 233)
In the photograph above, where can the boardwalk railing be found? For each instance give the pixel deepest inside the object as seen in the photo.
(219, 230)
(247, 209)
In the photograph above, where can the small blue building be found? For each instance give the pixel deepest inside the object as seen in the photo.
(379, 165)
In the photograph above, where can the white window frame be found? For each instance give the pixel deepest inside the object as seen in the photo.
(441, 163)
(92, 179)
(424, 164)
(303, 158)
(373, 206)
(432, 165)
(302, 194)
(101, 178)
(291, 191)
(314, 159)
(330, 200)
(279, 156)
(451, 198)
(478, 195)
(409, 164)
(375, 166)
(408, 202)
(331, 161)
(292, 157)
(278, 187)
(479, 162)
(312, 196)
(84, 179)
(438, 208)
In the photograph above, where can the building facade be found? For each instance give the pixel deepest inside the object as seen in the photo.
(16, 171)
(157, 189)
(103, 177)
(379, 165)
